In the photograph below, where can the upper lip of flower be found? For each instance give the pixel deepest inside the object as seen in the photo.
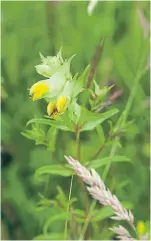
(38, 90)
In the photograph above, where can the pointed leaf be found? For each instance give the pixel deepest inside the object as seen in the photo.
(104, 161)
(89, 120)
(55, 123)
(53, 170)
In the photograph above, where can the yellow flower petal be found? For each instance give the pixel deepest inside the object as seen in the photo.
(140, 228)
(51, 108)
(38, 90)
(61, 104)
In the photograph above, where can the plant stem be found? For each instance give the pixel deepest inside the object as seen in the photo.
(78, 144)
(98, 152)
(94, 62)
(124, 116)
(68, 209)
(112, 153)
(79, 179)
(87, 220)
(78, 158)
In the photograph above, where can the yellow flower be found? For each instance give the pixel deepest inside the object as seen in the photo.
(140, 228)
(54, 109)
(38, 90)
(61, 104)
(49, 88)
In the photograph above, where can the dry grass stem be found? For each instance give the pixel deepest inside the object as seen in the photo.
(99, 192)
(122, 233)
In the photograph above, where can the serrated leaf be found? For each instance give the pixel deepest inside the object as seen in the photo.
(89, 120)
(36, 133)
(79, 83)
(104, 161)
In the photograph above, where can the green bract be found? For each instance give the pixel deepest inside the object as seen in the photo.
(52, 64)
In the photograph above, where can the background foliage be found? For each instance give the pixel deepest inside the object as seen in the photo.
(32, 27)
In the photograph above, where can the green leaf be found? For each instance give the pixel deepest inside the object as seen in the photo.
(104, 161)
(55, 123)
(44, 60)
(101, 214)
(74, 111)
(27, 135)
(79, 83)
(60, 216)
(101, 92)
(90, 120)
(61, 197)
(100, 133)
(53, 170)
(51, 138)
(84, 75)
(45, 202)
(36, 133)
(79, 215)
(49, 236)
(127, 205)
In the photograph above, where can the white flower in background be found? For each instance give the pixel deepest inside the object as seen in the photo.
(91, 6)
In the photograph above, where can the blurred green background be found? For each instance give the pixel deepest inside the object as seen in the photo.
(32, 27)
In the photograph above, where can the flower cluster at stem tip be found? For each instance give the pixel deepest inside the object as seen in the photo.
(57, 88)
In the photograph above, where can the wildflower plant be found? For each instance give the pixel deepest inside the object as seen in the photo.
(74, 104)
(61, 91)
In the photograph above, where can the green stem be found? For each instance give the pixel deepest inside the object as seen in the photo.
(112, 153)
(68, 209)
(78, 144)
(81, 181)
(123, 119)
(132, 95)
(87, 220)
